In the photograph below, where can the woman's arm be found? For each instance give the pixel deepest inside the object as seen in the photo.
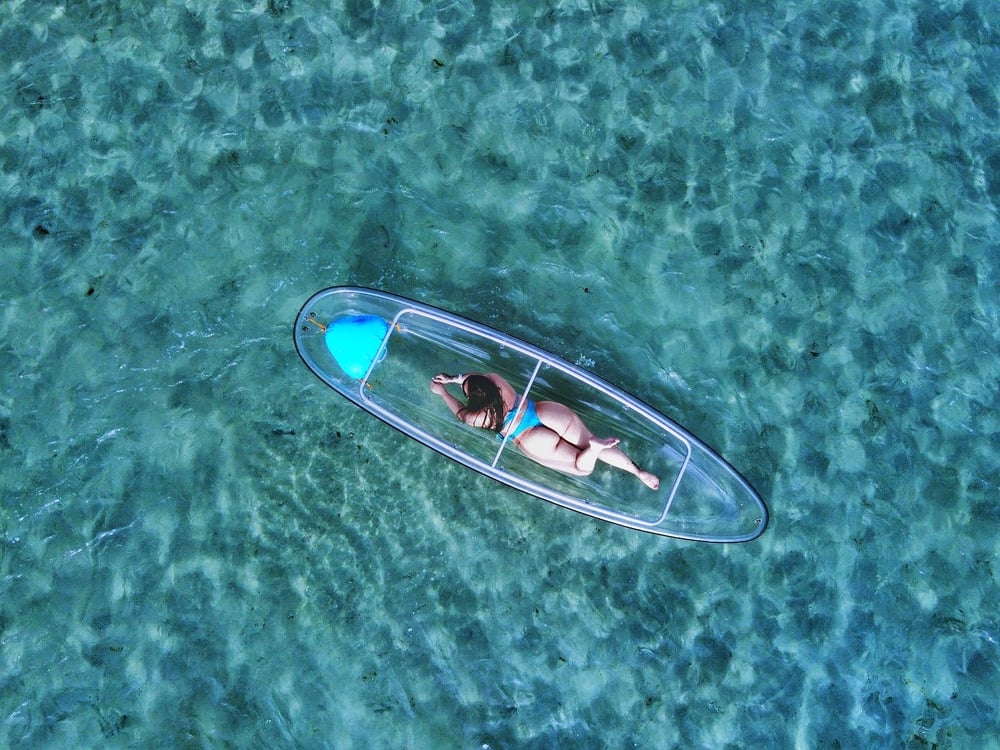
(453, 403)
(473, 418)
(444, 378)
(438, 383)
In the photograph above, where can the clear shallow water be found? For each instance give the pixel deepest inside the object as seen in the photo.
(777, 226)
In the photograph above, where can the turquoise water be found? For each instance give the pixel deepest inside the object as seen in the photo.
(778, 226)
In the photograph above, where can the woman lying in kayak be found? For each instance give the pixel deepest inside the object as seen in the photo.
(546, 432)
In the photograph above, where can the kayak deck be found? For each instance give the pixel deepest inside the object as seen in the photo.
(701, 497)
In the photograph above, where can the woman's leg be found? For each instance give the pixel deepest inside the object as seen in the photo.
(545, 446)
(564, 441)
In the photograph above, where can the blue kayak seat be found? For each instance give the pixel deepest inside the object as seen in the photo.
(355, 342)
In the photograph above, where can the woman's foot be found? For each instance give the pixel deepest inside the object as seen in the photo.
(587, 458)
(600, 444)
(650, 480)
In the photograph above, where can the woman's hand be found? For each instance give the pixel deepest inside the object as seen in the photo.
(438, 383)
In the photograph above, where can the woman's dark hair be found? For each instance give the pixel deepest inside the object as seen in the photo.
(483, 395)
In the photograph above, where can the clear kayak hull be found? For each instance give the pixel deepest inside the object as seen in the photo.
(395, 345)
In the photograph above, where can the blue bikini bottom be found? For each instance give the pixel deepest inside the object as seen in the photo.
(529, 420)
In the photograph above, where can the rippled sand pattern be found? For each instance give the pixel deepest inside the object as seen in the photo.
(778, 226)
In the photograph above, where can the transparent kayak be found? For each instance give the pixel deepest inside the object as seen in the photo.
(380, 351)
